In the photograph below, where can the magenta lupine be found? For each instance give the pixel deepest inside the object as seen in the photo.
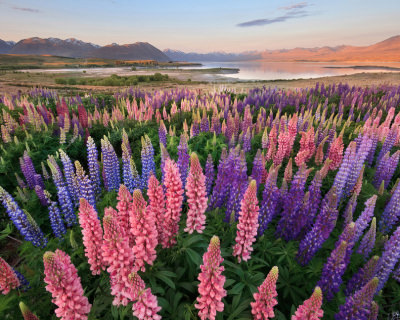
(156, 205)
(333, 270)
(144, 232)
(210, 173)
(92, 236)
(26, 313)
(311, 308)
(93, 165)
(265, 297)
(196, 197)
(390, 257)
(174, 199)
(211, 286)
(65, 286)
(368, 241)
(119, 258)
(248, 224)
(358, 306)
(362, 276)
(8, 278)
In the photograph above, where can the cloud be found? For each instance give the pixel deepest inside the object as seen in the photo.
(293, 11)
(26, 9)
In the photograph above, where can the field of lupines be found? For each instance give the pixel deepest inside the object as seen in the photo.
(183, 204)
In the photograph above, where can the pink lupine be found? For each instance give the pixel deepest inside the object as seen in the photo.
(211, 286)
(248, 223)
(146, 305)
(319, 155)
(156, 205)
(8, 278)
(311, 308)
(283, 147)
(65, 286)
(144, 232)
(272, 139)
(123, 206)
(197, 197)
(336, 153)
(288, 171)
(26, 313)
(307, 147)
(119, 257)
(265, 298)
(92, 236)
(174, 199)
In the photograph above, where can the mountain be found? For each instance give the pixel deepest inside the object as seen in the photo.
(74, 48)
(71, 48)
(384, 51)
(134, 51)
(6, 46)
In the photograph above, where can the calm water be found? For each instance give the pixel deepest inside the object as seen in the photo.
(251, 70)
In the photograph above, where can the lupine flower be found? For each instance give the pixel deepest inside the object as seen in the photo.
(22, 220)
(183, 159)
(270, 200)
(8, 278)
(148, 164)
(288, 172)
(358, 306)
(162, 133)
(265, 297)
(65, 286)
(156, 204)
(197, 197)
(368, 241)
(55, 218)
(264, 139)
(144, 232)
(336, 153)
(119, 257)
(174, 199)
(92, 236)
(333, 270)
(209, 172)
(373, 315)
(28, 169)
(362, 276)
(390, 214)
(124, 206)
(110, 166)
(220, 189)
(389, 142)
(311, 308)
(365, 217)
(248, 224)
(211, 286)
(85, 185)
(323, 226)
(69, 174)
(390, 256)
(130, 175)
(41, 195)
(26, 313)
(24, 284)
(258, 167)
(93, 164)
(146, 306)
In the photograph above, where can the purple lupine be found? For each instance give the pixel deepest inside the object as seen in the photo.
(28, 169)
(22, 220)
(362, 276)
(390, 140)
(162, 134)
(148, 164)
(270, 201)
(390, 256)
(128, 166)
(85, 185)
(194, 129)
(258, 168)
(64, 199)
(348, 235)
(391, 213)
(38, 180)
(358, 306)
(42, 197)
(183, 159)
(220, 189)
(350, 208)
(247, 141)
(322, 228)
(70, 177)
(216, 124)
(205, 124)
(372, 151)
(333, 270)
(110, 166)
(368, 241)
(46, 175)
(55, 218)
(93, 165)
(374, 311)
(385, 169)
(365, 217)
(290, 225)
(164, 157)
(344, 170)
(209, 172)
(24, 284)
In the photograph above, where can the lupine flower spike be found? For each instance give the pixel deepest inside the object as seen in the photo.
(311, 308)
(8, 278)
(265, 298)
(26, 313)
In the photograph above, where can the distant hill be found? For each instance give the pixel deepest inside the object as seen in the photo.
(74, 48)
(384, 51)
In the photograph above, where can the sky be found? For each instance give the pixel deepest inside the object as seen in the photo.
(206, 25)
